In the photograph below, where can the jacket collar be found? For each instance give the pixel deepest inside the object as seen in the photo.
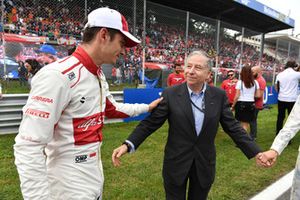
(86, 60)
(185, 103)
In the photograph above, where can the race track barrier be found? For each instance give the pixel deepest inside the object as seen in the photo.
(11, 105)
(11, 111)
(279, 190)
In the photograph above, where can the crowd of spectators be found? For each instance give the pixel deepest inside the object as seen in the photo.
(164, 43)
(52, 20)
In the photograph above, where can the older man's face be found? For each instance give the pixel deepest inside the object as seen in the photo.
(196, 72)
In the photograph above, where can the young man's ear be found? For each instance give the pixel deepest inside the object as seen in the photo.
(103, 34)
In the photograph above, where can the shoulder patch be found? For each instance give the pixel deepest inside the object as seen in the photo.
(71, 76)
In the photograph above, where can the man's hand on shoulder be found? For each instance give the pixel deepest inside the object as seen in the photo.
(154, 104)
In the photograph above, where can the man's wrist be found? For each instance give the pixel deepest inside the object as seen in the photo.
(276, 152)
(129, 148)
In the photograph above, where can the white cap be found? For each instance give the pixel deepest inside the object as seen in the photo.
(109, 18)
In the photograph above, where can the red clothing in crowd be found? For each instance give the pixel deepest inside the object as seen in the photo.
(229, 87)
(114, 72)
(175, 79)
(259, 102)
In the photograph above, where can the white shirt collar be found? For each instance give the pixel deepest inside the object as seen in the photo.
(193, 93)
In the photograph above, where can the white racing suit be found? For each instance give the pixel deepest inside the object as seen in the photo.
(290, 129)
(57, 149)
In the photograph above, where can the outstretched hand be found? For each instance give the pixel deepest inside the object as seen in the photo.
(154, 103)
(117, 153)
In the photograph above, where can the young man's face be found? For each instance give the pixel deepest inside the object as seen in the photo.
(113, 48)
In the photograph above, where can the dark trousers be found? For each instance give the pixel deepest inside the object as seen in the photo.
(282, 107)
(195, 191)
(253, 125)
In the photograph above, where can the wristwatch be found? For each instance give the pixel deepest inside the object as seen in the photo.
(128, 146)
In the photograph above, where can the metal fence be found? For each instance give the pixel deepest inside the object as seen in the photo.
(11, 111)
(168, 35)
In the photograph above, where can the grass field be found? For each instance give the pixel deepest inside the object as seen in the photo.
(139, 177)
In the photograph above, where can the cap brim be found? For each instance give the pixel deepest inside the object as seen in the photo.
(130, 40)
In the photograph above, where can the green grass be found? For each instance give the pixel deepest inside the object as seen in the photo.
(9, 180)
(13, 87)
(139, 176)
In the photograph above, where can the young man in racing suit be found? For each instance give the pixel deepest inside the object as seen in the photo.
(57, 150)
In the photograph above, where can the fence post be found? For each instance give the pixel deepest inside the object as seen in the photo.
(218, 51)
(186, 34)
(144, 42)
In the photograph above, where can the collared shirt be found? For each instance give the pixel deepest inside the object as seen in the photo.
(198, 100)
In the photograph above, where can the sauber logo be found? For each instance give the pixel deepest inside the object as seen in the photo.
(42, 99)
(37, 113)
(84, 99)
(89, 123)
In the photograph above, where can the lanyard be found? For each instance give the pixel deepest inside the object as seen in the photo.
(197, 107)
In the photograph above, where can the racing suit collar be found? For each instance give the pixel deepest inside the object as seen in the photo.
(86, 60)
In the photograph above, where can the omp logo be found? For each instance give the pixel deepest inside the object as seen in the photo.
(81, 158)
(37, 113)
(42, 99)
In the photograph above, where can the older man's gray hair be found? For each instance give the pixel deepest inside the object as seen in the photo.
(199, 53)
